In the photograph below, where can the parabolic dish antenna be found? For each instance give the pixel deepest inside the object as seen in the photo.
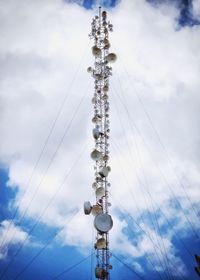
(111, 57)
(100, 192)
(96, 133)
(96, 155)
(96, 51)
(87, 207)
(101, 243)
(104, 171)
(96, 209)
(103, 223)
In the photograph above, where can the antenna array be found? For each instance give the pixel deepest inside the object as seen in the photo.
(101, 73)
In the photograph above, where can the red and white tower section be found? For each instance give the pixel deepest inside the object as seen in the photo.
(101, 72)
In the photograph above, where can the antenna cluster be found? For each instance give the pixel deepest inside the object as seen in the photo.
(101, 71)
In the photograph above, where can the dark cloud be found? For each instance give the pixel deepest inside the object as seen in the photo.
(186, 15)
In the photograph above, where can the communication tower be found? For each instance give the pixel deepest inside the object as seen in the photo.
(101, 71)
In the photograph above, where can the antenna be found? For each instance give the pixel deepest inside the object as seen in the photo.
(100, 28)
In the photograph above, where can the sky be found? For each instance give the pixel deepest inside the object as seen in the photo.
(46, 172)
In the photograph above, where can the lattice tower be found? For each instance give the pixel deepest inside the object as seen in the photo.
(101, 72)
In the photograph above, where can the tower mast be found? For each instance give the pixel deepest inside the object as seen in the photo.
(101, 71)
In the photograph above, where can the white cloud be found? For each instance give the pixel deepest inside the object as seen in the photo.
(10, 235)
(196, 8)
(137, 267)
(43, 45)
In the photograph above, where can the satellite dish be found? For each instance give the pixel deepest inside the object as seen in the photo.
(103, 223)
(105, 88)
(104, 171)
(96, 155)
(96, 119)
(96, 209)
(96, 133)
(100, 192)
(90, 69)
(104, 14)
(107, 46)
(105, 97)
(94, 185)
(106, 41)
(111, 57)
(96, 51)
(106, 157)
(101, 243)
(87, 207)
(100, 273)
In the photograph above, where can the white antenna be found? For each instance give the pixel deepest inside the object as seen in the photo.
(101, 73)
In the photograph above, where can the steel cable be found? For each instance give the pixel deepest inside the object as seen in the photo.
(128, 266)
(159, 140)
(156, 225)
(40, 251)
(153, 241)
(44, 211)
(45, 143)
(71, 267)
(142, 230)
(144, 197)
(173, 194)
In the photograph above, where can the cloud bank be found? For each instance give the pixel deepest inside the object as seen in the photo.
(10, 235)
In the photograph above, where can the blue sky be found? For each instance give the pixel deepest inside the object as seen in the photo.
(155, 163)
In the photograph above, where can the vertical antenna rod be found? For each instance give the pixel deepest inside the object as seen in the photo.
(101, 73)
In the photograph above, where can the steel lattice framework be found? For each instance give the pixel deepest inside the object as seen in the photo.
(101, 73)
